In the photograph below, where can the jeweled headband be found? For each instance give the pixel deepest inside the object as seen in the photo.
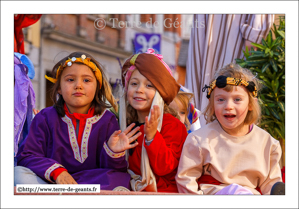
(83, 60)
(222, 81)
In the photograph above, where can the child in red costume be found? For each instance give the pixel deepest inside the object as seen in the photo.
(147, 77)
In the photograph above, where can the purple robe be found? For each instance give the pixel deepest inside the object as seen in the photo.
(24, 98)
(51, 143)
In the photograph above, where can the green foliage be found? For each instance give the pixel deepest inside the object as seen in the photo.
(269, 64)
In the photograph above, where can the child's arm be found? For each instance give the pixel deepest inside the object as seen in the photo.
(165, 150)
(150, 126)
(190, 166)
(274, 169)
(120, 141)
(113, 152)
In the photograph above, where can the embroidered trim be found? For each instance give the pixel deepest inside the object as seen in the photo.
(81, 156)
(49, 171)
(72, 138)
(112, 154)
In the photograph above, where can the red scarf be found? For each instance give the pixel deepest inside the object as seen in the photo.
(82, 121)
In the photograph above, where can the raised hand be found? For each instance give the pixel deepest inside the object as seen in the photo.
(35, 111)
(65, 178)
(120, 141)
(151, 125)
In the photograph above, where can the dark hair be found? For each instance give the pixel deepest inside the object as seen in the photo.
(100, 95)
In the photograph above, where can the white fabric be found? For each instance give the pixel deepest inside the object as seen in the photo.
(23, 175)
(251, 160)
(196, 125)
(122, 114)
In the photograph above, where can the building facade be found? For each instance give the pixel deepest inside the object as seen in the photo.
(109, 38)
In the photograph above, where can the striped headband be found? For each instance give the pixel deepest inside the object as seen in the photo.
(128, 73)
(83, 60)
(222, 81)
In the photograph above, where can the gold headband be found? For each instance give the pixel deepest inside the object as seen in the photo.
(222, 81)
(83, 60)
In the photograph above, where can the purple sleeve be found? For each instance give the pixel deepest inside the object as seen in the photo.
(33, 151)
(117, 162)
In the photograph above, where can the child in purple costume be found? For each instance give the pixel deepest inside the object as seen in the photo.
(77, 141)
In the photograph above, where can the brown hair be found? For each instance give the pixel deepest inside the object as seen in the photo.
(184, 98)
(235, 71)
(100, 96)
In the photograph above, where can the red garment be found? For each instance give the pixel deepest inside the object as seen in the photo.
(56, 173)
(22, 21)
(164, 153)
(283, 174)
(207, 179)
(82, 121)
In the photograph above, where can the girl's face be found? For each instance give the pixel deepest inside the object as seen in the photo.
(178, 106)
(140, 94)
(78, 86)
(231, 109)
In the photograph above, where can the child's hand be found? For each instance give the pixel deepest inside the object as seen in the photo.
(65, 178)
(35, 111)
(150, 126)
(119, 142)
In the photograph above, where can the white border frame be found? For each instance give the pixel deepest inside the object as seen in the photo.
(8, 9)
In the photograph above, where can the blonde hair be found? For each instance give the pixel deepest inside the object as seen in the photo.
(236, 71)
(184, 98)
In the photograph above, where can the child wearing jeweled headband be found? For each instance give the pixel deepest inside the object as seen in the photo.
(230, 155)
(77, 141)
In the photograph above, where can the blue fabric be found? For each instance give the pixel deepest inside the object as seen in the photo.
(26, 61)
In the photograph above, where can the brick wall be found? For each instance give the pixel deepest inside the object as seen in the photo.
(83, 26)
(65, 23)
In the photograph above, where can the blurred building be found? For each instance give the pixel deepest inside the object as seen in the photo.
(107, 37)
(183, 48)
